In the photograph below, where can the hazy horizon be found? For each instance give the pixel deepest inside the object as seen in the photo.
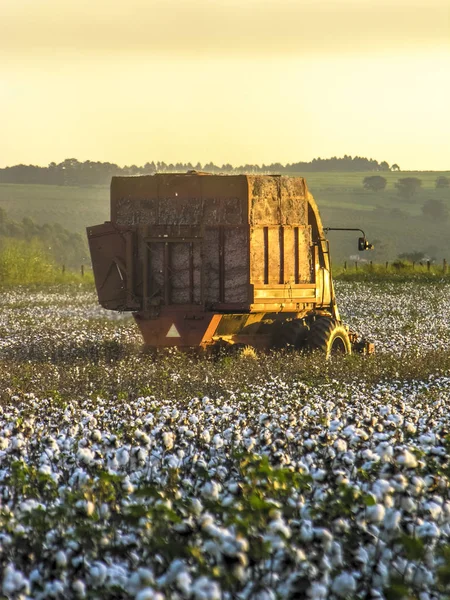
(227, 82)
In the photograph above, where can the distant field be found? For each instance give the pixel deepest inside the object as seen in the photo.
(73, 207)
(395, 225)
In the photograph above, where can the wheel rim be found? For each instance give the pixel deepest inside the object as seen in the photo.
(338, 346)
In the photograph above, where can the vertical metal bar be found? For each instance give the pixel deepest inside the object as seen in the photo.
(129, 266)
(221, 264)
(191, 273)
(266, 255)
(166, 273)
(296, 256)
(145, 274)
(281, 246)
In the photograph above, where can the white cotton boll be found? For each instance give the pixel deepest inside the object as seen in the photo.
(96, 435)
(434, 509)
(122, 456)
(417, 484)
(319, 475)
(205, 436)
(147, 594)
(175, 414)
(142, 455)
(211, 490)
(98, 572)
(249, 444)
(392, 520)
(427, 439)
(310, 443)
(217, 441)
(362, 556)
(385, 451)
(184, 582)
(340, 445)
(264, 595)
(337, 559)
(279, 526)
(375, 513)
(173, 462)
(79, 588)
(197, 506)
(85, 455)
(407, 460)
(168, 440)
(307, 532)
(408, 504)
(317, 591)
(428, 530)
(344, 585)
(14, 582)
(204, 589)
(61, 558)
(410, 427)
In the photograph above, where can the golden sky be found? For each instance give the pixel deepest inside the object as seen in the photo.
(255, 81)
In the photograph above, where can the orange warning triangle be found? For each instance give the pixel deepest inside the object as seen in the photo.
(173, 331)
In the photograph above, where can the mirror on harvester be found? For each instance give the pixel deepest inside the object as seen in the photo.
(363, 244)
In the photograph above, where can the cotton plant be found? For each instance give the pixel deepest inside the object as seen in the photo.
(274, 489)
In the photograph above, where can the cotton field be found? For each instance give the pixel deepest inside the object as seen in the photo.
(253, 477)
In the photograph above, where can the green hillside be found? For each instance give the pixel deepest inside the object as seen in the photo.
(394, 224)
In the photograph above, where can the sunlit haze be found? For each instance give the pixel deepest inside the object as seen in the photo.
(225, 81)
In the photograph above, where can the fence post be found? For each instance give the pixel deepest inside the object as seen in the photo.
(345, 266)
(428, 265)
(63, 269)
(387, 264)
(82, 270)
(444, 266)
(356, 265)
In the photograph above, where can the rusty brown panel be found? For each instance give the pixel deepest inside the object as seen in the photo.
(155, 273)
(274, 255)
(221, 264)
(172, 231)
(225, 199)
(176, 327)
(211, 265)
(236, 259)
(180, 201)
(257, 255)
(264, 201)
(191, 272)
(134, 200)
(111, 251)
(289, 255)
(185, 186)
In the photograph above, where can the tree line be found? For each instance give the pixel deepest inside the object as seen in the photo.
(73, 172)
(407, 187)
(60, 245)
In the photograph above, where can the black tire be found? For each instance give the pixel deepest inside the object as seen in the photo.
(329, 337)
(290, 334)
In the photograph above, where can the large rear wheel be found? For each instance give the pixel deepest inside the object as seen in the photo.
(329, 337)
